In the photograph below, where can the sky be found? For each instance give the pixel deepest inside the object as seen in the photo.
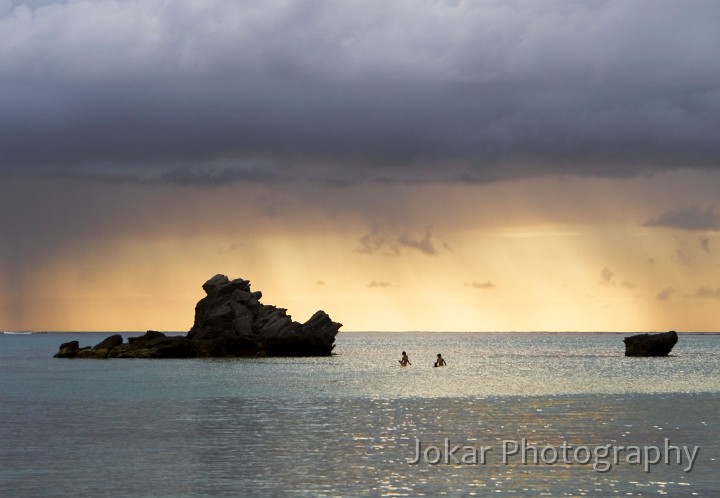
(489, 165)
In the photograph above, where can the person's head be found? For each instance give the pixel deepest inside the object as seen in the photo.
(439, 355)
(404, 353)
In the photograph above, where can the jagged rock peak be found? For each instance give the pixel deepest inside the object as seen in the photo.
(221, 282)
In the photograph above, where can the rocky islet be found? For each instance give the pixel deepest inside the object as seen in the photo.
(229, 321)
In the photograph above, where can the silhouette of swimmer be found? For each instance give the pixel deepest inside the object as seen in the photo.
(440, 362)
(404, 361)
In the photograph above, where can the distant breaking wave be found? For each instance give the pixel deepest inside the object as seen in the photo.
(17, 333)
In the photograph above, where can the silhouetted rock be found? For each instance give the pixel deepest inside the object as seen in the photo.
(147, 337)
(111, 342)
(68, 349)
(229, 321)
(101, 350)
(232, 316)
(650, 344)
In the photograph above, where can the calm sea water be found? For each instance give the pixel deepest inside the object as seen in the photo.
(350, 424)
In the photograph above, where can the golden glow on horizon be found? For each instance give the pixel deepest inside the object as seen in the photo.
(528, 270)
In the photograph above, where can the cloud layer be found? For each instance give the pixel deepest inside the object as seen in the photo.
(147, 144)
(688, 219)
(221, 91)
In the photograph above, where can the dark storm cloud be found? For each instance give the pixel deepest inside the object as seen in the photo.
(340, 92)
(688, 219)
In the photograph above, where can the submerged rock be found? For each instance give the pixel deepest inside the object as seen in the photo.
(229, 321)
(650, 344)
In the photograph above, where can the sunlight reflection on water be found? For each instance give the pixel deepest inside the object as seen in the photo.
(348, 424)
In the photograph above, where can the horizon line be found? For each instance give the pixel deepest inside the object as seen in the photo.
(382, 331)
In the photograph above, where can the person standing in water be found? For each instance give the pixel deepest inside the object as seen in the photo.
(440, 362)
(404, 361)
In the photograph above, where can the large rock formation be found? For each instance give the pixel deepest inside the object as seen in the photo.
(229, 321)
(232, 312)
(650, 344)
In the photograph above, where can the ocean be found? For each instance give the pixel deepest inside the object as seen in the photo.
(513, 414)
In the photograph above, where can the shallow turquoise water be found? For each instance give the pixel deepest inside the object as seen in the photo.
(349, 424)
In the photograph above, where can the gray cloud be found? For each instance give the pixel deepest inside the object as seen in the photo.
(707, 293)
(627, 284)
(380, 283)
(687, 219)
(389, 243)
(377, 242)
(704, 243)
(343, 92)
(606, 276)
(666, 294)
(422, 243)
(229, 248)
(481, 285)
(680, 257)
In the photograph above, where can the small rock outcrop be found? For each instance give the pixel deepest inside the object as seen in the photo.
(229, 321)
(650, 344)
